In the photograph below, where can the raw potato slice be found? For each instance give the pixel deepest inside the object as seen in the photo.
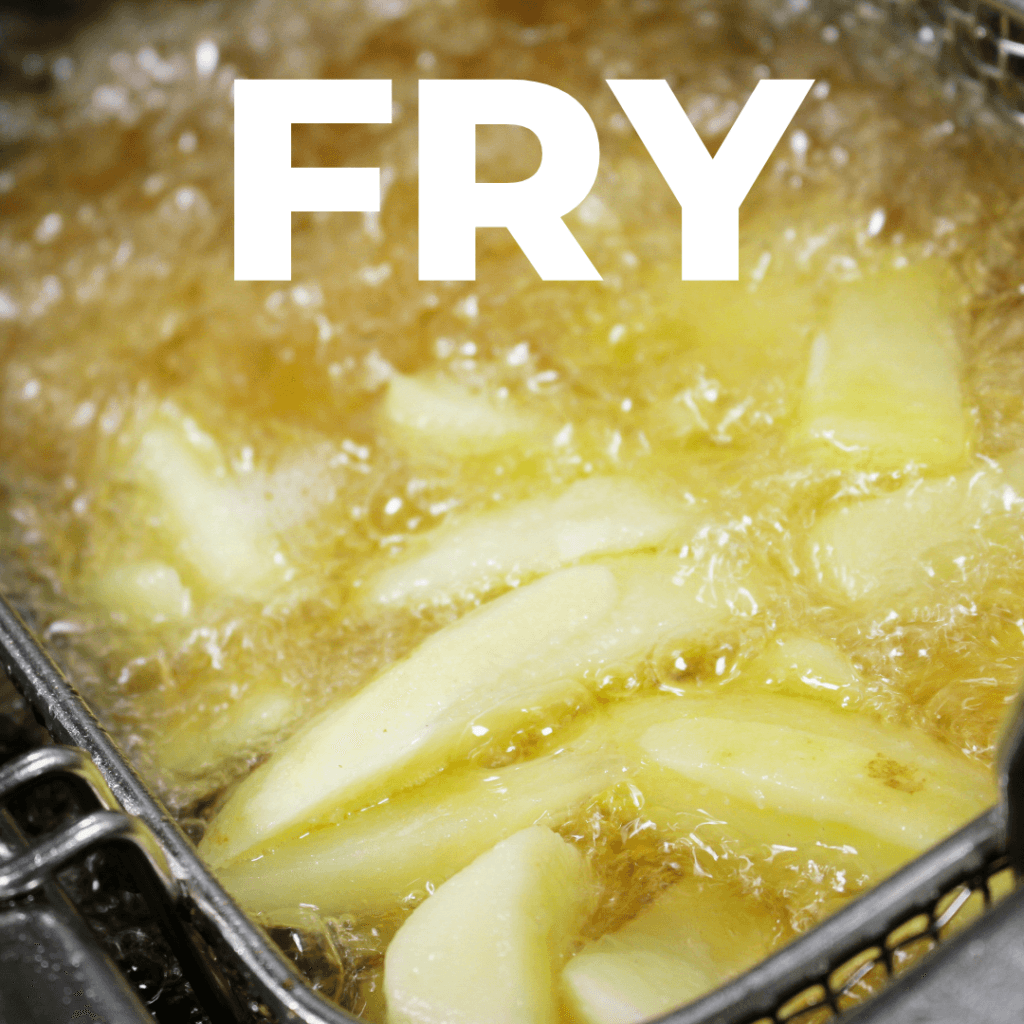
(148, 591)
(883, 385)
(439, 415)
(216, 531)
(527, 649)
(486, 947)
(220, 723)
(694, 937)
(598, 516)
(808, 667)
(792, 756)
(883, 548)
(429, 833)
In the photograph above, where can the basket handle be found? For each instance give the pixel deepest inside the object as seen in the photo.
(1010, 766)
(23, 871)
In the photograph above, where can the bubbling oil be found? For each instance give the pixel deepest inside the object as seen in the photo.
(117, 297)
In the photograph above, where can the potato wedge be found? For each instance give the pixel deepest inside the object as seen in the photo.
(714, 822)
(806, 666)
(215, 530)
(694, 937)
(429, 833)
(527, 649)
(790, 755)
(486, 947)
(144, 592)
(439, 415)
(682, 807)
(883, 384)
(892, 548)
(595, 516)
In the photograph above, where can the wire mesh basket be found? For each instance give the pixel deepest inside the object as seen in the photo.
(980, 42)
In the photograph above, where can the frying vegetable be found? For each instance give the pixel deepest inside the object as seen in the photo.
(597, 516)
(211, 527)
(528, 649)
(701, 804)
(805, 666)
(439, 415)
(883, 384)
(148, 591)
(894, 547)
(429, 833)
(791, 755)
(486, 946)
(694, 937)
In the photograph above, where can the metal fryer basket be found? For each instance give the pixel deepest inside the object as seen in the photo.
(980, 44)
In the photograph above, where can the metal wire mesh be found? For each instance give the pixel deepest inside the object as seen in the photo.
(863, 974)
(852, 955)
(978, 42)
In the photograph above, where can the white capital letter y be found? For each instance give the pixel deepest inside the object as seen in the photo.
(710, 191)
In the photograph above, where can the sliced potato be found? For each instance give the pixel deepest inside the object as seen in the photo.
(714, 822)
(429, 833)
(791, 755)
(597, 516)
(145, 591)
(215, 530)
(486, 947)
(883, 384)
(894, 546)
(694, 937)
(409, 720)
(629, 980)
(805, 666)
(221, 722)
(528, 649)
(686, 807)
(440, 415)
(741, 333)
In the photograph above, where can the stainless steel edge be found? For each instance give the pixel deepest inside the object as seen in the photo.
(120, 827)
(241, 949)
(864, 923)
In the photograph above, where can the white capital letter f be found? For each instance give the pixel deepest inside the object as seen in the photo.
(268, 189)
